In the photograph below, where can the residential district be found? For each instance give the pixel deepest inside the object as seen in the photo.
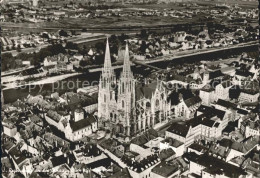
(163, 126)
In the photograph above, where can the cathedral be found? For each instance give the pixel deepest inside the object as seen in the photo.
(124, 105)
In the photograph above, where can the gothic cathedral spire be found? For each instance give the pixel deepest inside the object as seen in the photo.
(127, 65)
(106, 94)
(126, 95)
(107, 70)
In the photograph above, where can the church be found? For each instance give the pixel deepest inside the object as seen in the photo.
(124, 105)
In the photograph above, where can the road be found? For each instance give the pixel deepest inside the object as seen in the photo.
(16, 71)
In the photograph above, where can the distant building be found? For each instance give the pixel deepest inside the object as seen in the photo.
(35, 3)
(207, 95)
(175, 145)
(209, 166)
(180, 36)
(9, 129)
(222, 90)
(80, 127)
(250, 127)
(187, 108)
(248, 96)
(165, 170)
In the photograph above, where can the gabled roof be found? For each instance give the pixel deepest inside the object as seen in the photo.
(226, 104)
(57, 161)
(244, 73)
(219, 150)
(246, 145)
(210, 111)
(173, 142)
(17, 155)
(215, 74)
(165, 169)
(81, 124)
(216, 166)
(179, 129)
(198, 147)
(124, 173)
(192, 101)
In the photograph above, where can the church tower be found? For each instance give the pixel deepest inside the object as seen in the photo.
(126, 95)
(106, 94)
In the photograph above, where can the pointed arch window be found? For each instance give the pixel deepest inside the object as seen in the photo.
(123, 87)
(123, 104)
(157, 102)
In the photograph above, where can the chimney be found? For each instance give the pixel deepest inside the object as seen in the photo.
(227, 149)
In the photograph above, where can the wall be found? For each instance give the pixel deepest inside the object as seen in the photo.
(10, 131)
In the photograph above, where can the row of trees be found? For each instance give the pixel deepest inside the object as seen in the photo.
(8, 61)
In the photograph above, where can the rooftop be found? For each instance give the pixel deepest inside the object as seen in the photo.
(216, 166)
(226, 104)
(165, 169)
(181, 129)
(246, 145)
(173, 142)
(192, 101)
(81, 124)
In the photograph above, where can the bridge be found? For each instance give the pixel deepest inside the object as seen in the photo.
(146, 65)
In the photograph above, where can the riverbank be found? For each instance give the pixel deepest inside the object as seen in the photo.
(47, 80)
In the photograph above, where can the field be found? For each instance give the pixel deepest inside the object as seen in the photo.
(125, 23)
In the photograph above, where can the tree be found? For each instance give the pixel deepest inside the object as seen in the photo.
(45, 35)
(123, 37)
(71, 45)
(144, 34)
(7, 58)
(84, 63)
(100, 46)
(63, 33)
(19, 50)
(143, 47)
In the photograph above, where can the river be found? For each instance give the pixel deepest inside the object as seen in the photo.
(72, 83)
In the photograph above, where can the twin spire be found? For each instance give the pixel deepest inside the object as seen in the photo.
(127, 65)
(107, 64)
(108, 70)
